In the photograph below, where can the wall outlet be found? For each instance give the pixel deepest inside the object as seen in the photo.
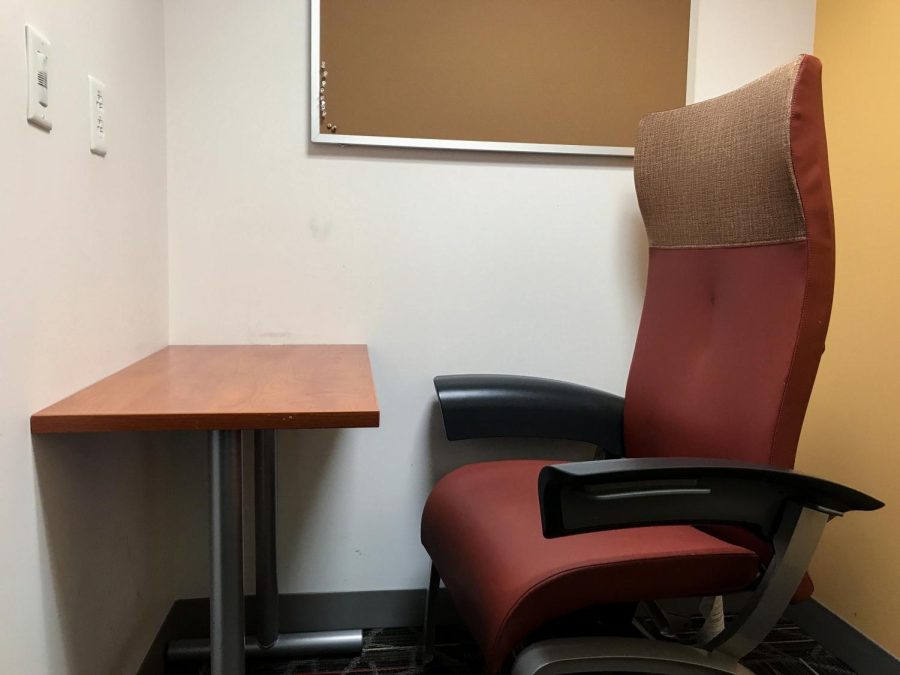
(37, 49)
(97, 92)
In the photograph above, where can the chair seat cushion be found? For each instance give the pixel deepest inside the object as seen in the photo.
(482, 529)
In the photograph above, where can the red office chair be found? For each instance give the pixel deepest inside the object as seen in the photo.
(736, 200)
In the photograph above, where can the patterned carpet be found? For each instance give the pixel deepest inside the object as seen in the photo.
(786, 651)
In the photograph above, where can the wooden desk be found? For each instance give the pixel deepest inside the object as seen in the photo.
(223, 390)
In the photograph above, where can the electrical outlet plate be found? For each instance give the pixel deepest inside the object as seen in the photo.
(37, 49)
(98, 115)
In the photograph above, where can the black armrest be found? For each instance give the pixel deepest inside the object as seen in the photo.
(619, 493)
(491, 406)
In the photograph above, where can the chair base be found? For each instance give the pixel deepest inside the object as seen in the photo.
(622, 655)
(434, 582)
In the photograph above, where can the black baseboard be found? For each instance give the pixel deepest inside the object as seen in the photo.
(302, 612)
(179, 623)
(843, 640)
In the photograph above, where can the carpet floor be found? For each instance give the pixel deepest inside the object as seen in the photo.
(786, 651)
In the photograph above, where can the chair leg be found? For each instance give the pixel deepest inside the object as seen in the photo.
(794, 542)
(434, 582)
(622, 655)
(667, 626)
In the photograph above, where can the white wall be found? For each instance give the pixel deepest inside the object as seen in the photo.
(739, 40)
(85, 578)
(442, 262)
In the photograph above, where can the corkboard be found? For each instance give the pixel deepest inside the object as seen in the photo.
(561, 72)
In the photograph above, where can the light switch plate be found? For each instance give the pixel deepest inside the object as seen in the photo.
(37, 49)
(98, 115)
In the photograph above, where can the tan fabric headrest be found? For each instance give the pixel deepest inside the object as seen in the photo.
(719, 173)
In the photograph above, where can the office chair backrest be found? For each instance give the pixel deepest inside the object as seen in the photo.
(736, 200)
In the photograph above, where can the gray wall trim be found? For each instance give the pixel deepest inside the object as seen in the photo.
(847, 643)
(385, 609)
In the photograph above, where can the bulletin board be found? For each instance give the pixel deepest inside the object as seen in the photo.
(558, 76)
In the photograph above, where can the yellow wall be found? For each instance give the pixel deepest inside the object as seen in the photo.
(852, 432)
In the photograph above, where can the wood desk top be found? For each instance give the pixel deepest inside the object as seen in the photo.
(225, 387)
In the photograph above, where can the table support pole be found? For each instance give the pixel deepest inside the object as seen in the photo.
(226, 612)
(265, 459)
(228, 648)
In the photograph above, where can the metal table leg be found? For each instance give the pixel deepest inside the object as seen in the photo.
(226, 647)
(226, 611)
(268, 639)
(265, 459)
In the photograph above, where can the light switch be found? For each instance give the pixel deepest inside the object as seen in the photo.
(98, 115)
(37, 49)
